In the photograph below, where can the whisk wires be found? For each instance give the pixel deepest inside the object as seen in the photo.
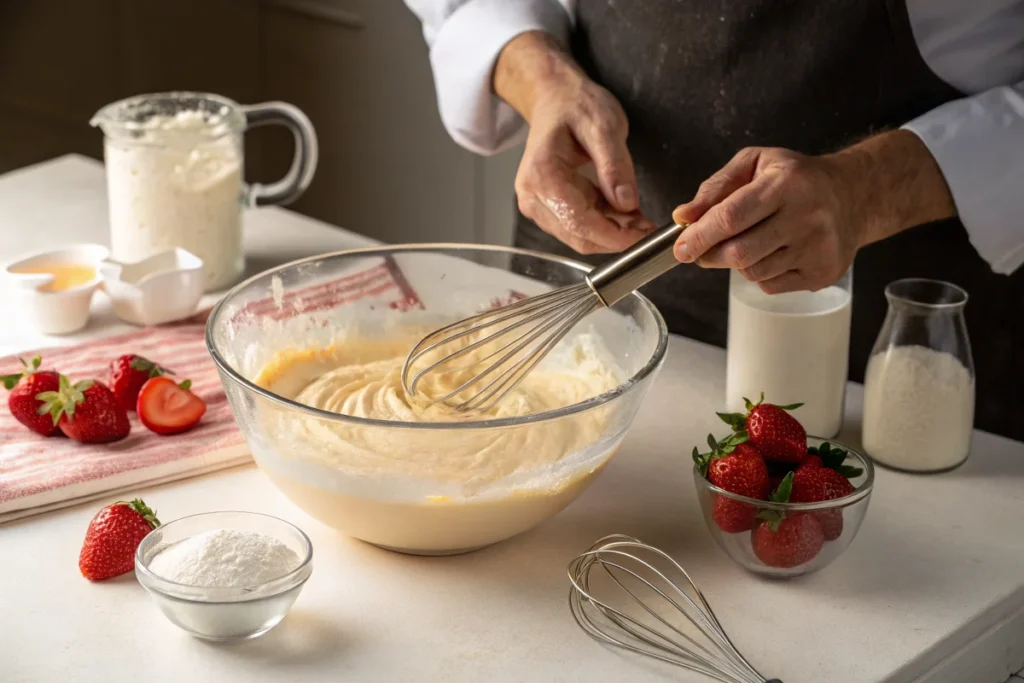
(629, 567)
(487, 355)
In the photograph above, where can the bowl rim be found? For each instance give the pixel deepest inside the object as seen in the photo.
(652, 364)
(213, 595)
(860, 493)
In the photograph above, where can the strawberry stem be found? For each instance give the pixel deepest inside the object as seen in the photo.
(146, 365)
(783, 490)
(719, 449)
(11, 381)
(779, 495)
(144, 510)
(64, 400)
(737, 421)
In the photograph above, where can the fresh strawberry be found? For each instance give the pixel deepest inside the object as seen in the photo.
(737, 467)
(113, 537)
(818, 480)
(127, 375)
(86, 411)
(786, 540)
(791, 542)
(776, 434)
(169, 408)
(23, 403)
(733, 516)
(811, 461)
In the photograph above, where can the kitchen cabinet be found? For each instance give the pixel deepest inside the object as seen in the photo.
(358, 68)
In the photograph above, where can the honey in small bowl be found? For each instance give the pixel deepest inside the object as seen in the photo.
(65, 275)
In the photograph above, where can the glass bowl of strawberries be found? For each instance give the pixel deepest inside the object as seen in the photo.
(779, 502)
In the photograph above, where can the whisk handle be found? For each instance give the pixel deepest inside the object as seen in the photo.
(646, 260)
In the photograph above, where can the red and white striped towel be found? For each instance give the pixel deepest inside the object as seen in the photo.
(38, 474)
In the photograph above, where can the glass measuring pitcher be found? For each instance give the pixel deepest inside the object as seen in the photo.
(175, 169)
(919, 383)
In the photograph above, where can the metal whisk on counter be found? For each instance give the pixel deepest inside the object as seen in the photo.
(488, 354)
(653, 594)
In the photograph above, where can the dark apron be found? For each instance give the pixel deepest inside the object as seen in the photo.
(700, 80)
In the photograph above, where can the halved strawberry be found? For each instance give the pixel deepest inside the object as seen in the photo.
(168, 408)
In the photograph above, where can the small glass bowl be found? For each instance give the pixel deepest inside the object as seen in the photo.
(840, 519)
(223, 614)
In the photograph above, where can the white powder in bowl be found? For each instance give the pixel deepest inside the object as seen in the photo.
(225, 558)
(918, 409)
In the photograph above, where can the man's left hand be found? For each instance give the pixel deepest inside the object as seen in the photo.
(793, 222)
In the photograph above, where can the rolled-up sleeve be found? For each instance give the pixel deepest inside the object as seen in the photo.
(978, 143)
(465, 39)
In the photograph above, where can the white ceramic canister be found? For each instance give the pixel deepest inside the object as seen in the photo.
(793, 347)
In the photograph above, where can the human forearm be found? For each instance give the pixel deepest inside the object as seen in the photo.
(897, 182)
(529, 64)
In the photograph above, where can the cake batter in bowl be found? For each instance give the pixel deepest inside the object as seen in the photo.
(310, 356)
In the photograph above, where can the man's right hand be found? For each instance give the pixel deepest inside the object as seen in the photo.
(575, 125)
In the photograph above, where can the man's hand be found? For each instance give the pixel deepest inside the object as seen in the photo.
(792, 222)
(573, 123)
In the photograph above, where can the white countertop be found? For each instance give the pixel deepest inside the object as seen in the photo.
(931, 590)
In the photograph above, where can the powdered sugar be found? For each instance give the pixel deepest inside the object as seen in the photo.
(918, 409)
(225, 558)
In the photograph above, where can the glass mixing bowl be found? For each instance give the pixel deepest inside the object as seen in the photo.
(394, 484)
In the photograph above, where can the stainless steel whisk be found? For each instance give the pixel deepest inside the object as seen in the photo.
(520, 335)
(632, 567)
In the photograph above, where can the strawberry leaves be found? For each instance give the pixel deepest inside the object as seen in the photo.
(64, 400)
(833, 458)
(783, 490)
(719, 449)
(11, 381)
(779, 495)
(152, 369)
(146, 512)
(737, 421)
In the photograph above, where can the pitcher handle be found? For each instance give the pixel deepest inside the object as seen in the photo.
(300, 175)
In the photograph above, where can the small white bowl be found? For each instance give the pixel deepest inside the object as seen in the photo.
(161, 289)
(224, 614)
(62, 311)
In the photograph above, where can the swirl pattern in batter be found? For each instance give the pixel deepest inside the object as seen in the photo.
(362, 378)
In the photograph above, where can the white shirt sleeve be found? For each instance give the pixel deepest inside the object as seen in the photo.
(465, 39)
(978, 141)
